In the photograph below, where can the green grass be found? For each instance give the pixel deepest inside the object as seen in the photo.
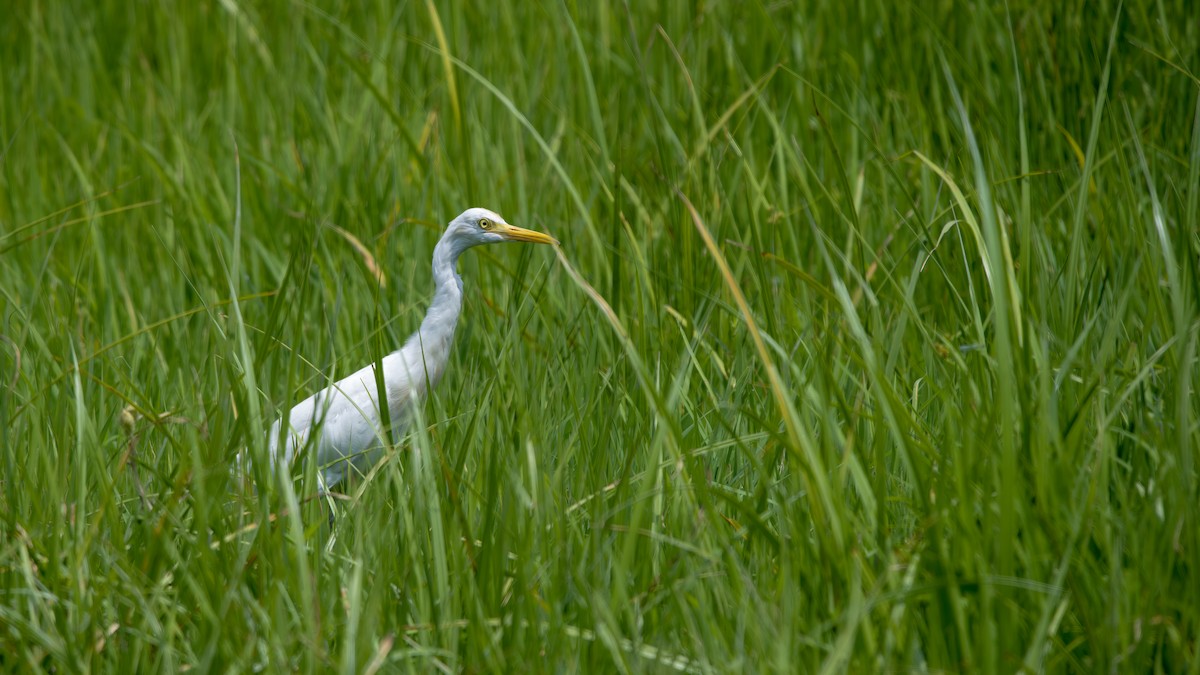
(871, 346)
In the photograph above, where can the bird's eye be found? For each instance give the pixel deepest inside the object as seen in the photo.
(485, 223)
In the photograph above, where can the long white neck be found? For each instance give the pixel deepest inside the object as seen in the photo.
(443, 312)
(425, 354)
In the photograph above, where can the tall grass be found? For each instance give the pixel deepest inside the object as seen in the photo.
(870, 347)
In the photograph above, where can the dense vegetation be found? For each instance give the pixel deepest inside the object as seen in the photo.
(870, 345)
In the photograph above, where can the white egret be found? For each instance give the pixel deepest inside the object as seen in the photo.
(345, 416)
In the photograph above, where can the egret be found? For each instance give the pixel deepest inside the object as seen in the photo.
(345, 416)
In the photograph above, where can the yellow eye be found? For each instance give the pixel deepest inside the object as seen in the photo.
(485, 223)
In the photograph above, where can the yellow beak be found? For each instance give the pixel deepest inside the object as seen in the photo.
(514, 233)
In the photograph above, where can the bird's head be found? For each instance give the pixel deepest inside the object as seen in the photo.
(481, 226)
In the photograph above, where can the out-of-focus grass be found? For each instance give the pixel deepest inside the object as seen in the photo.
(871, 346)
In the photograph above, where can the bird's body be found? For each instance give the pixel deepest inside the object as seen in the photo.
(345, 417)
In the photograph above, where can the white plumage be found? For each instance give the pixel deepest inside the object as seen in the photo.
(345, 416)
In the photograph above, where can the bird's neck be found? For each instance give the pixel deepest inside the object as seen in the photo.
(445, 265)
(440, 320)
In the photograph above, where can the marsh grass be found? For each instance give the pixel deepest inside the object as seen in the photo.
(870, 345)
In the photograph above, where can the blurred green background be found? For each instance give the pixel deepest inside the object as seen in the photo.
(870, 346)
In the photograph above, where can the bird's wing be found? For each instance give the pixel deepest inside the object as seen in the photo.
(345, 417)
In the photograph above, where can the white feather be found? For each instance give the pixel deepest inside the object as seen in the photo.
(342, 422)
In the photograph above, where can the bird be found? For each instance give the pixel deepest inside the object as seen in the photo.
(343, 421)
